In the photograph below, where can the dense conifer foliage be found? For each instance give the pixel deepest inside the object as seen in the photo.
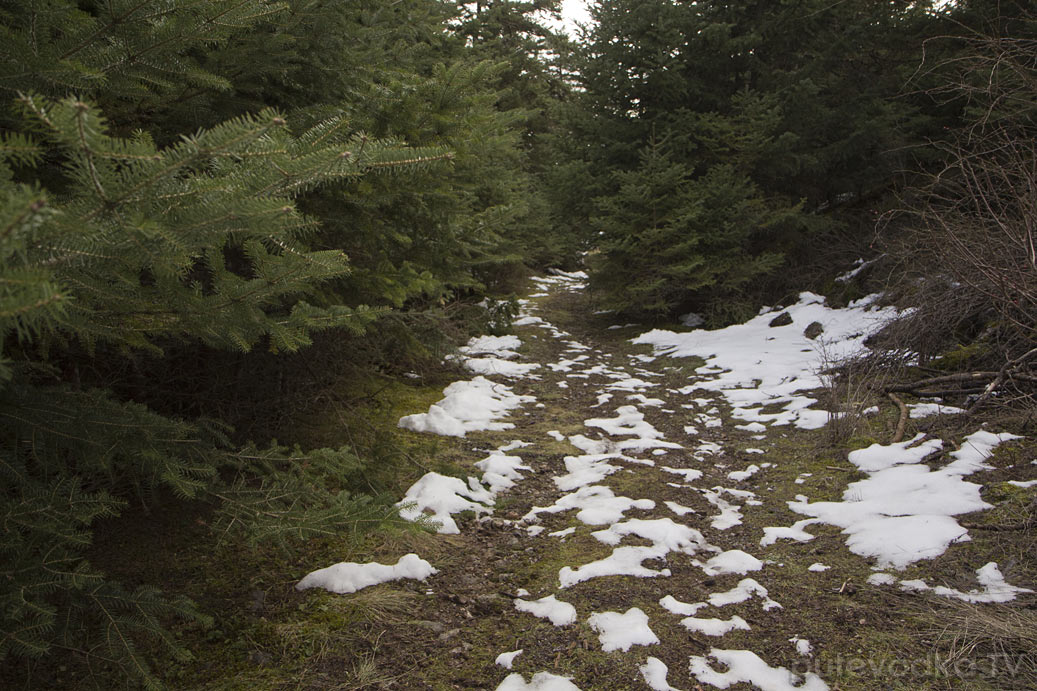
(777, 114)
(186, 179)
(207, 206)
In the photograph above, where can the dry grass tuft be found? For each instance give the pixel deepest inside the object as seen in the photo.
(999, 638)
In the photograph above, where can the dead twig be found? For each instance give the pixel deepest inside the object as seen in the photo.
(898, 436)
(1008, 367)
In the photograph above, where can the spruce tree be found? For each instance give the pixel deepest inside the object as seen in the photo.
(799, 101)
(151, 204)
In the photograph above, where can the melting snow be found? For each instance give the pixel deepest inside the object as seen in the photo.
(732, 561)
(505, 660)
(903, 512)
(715, 627)
(467, 406)
(541, 681)
(349, 577)
(554, 610)
(654, 672)
(441, 496)
(746, 666)
(597, 505)
(758, 365)
(995, 589)
(621, 631)
(803, 646)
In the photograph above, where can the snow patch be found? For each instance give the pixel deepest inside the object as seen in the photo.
(622, 631)
(349, 577)
(554, 610)
(442, 496)
(505, 660)
(467, 406)
(746, 666)
(541, 681)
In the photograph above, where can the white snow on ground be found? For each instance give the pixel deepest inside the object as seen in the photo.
(505, 660)
(920, 410)
(881, 579)
(440, 496)
(881, 456)
(597, 505)
(498, 346)
(995, 589)
(501, 472)
(644, 400)
(754, 364)
(666, 537)
(746, 589)
(1024, 484)
(654, 671)
(349, 577)
(803, 646)
(746, 666)
(621, 631)
(467, 406)
(793, 532)
(663, 532)
(554, 610)
(672, 604)
(732, 561)
(624, 561)
(678, 509)
(901, 506)
(740, 475)
(903, 512)
(729, 515)
(493, 355)
(630, 422)
(715, 627)
(585, 470)
(504, 368)
(689, 474)
(818, 567)
(541, 681)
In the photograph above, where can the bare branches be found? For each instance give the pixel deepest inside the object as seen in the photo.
(972, 245)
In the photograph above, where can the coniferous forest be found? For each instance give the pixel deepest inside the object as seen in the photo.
(221, 219)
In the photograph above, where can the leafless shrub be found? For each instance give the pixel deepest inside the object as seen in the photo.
(968, 232)
(852, 385)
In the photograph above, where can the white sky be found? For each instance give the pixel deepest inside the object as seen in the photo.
(573, 12)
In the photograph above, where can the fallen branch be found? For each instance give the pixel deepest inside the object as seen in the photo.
(902, 422)
(1005, 371)
(948, 392)
(1000, 527)
(944, 379)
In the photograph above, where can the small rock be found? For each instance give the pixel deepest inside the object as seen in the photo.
(260, 658)
(783, 319)
(449, 634)
(814, 330)
(433, 626)
(462, 649)
(485, 604)
(258, 603)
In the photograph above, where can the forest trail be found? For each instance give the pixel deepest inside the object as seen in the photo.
(627, 538)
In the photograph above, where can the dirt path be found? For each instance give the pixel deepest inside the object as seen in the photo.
(643, 509)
